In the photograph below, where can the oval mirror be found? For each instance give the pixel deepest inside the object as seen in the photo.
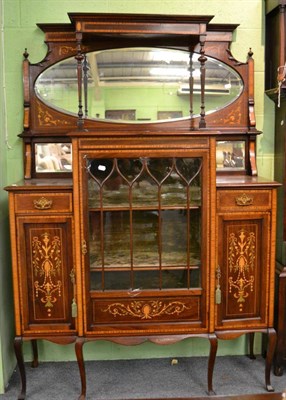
(139, 85)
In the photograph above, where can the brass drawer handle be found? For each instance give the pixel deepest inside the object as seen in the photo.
(244, 200)
(43, 204)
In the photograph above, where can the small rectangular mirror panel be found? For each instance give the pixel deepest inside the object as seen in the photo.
(53, 157)
(230, 155)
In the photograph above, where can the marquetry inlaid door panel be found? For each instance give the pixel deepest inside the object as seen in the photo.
(46, 273)
(242, 274)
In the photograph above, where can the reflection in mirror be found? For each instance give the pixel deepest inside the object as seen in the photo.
(149, 81)
(53, 157)
(230, 155)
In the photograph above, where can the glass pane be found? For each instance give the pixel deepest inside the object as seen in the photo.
(95, 241)
(110, 280)
(165, 279)
(156, 238)
(174, 191)
(110, 239)
(195, 278)
(145, 238)
(175, 279)
(144, 181)
(146, 280)
(121, 280)
(195, 236)
(174, 237)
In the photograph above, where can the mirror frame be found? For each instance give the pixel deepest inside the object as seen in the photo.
(88, 32)
(165, 71)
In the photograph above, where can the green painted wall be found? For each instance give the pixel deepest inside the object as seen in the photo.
(20, 31)
(6, 315)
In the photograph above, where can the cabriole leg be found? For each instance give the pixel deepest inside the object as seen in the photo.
(80, 361)
(212, 357)
(269, 357)
(251, 345)
(278, 363)
(35, 361)
(18, 344)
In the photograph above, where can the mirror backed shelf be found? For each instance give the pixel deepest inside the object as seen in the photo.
(139, 85)
(94, 81)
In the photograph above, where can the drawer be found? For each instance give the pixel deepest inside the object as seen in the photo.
(147, 310)
(43, 202)
(234, 200)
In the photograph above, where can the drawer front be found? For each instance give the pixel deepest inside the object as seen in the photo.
(146, 310)
(43, 202)
(243, 200)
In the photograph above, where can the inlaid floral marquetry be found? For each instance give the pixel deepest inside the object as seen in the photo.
(65, 50)
(146, 309)
(46, 118)
(46, 259)
(241, 260)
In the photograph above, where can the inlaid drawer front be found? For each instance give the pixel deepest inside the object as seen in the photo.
(43, 202)
(243, 200)
(147, 310)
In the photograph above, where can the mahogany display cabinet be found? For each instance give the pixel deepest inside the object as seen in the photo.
(141, 216)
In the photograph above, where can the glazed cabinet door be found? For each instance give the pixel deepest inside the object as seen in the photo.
(243, 273)
(46, 273)
(146, 266)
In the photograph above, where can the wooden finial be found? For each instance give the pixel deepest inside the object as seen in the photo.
(250, 53)
(26, 54)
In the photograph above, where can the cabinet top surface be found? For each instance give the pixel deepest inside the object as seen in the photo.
(40, 184)
(222, 181)
(227, 181)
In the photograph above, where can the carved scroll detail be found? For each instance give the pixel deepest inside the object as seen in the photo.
(241, 259)
(46, 260)
(146, 309)
(232, 59)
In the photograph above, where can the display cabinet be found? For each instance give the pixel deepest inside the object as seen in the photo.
(166, 231)
(275, 89)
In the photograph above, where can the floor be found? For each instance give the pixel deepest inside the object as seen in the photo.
(235, 378)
